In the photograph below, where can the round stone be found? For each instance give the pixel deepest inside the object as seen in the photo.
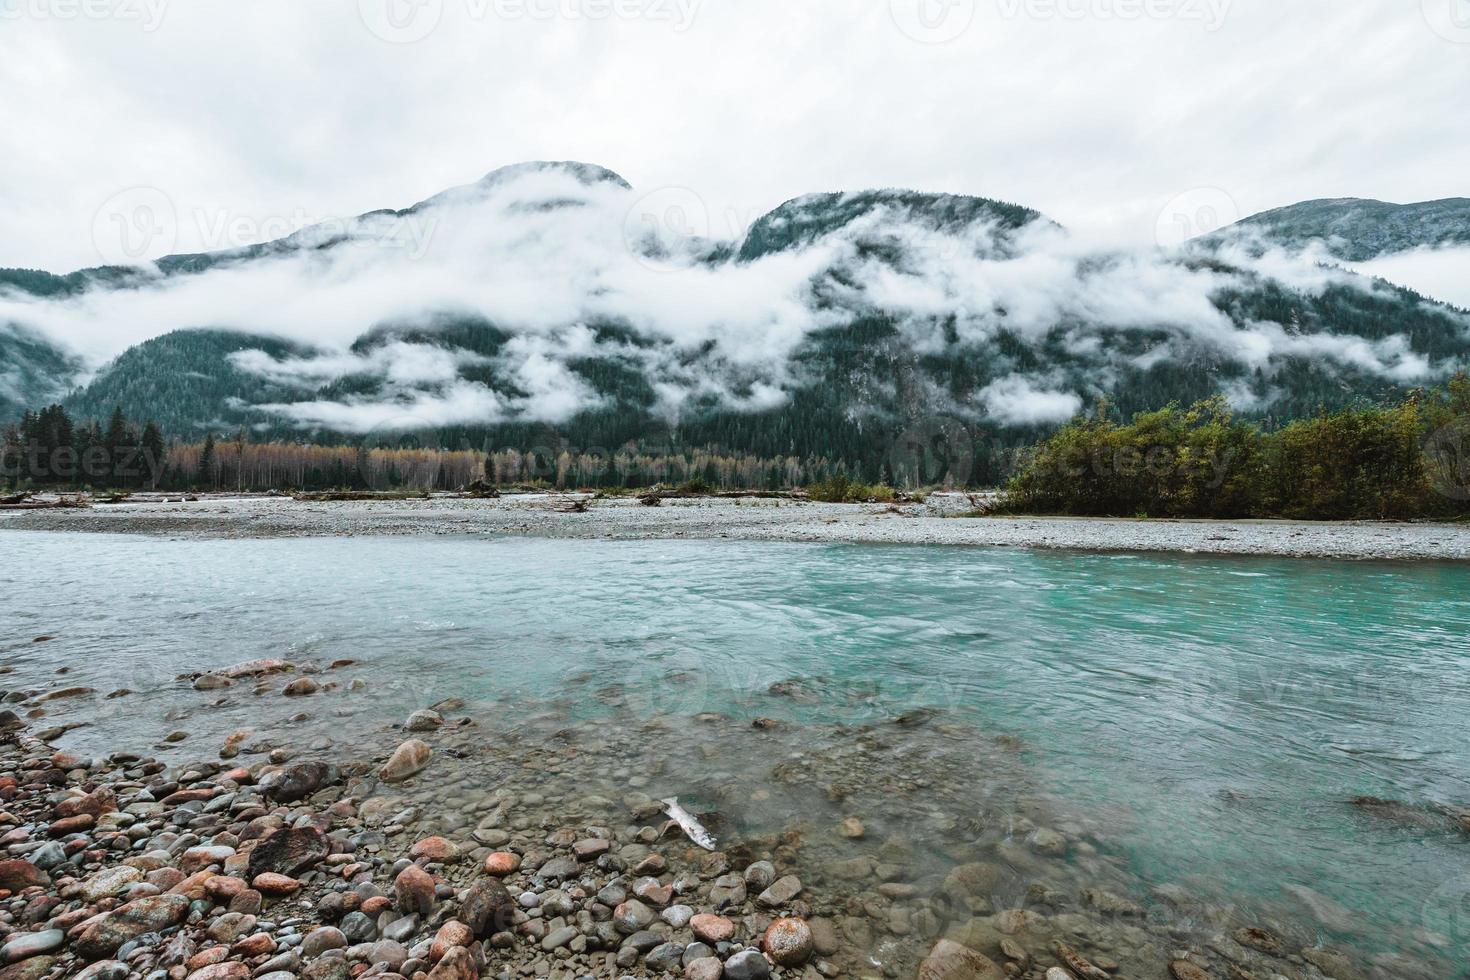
(788, 942)
(502, 863)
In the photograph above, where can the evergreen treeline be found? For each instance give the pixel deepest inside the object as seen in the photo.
(1407, 460)
(48, 448)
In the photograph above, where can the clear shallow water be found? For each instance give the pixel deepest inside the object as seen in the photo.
(1216, 715)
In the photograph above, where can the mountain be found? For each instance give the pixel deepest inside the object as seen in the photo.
(33, 371)
(321, 237)
(539, 307)
(804, 221)
(187, 382)
(1356, 230)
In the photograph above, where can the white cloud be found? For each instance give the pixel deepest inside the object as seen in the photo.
(546, 258)
(1016, 400)
(457, 404)
(1442, 273)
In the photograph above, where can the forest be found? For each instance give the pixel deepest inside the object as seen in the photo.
(46, 448)
(1408, 458)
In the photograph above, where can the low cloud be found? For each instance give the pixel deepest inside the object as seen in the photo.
(1017, 400)
(549, 259)
(1441, 273)
(455, 404)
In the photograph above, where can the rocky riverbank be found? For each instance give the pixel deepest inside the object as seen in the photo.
(936, 521)
(452, 845)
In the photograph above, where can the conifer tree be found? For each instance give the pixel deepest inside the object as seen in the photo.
(206, 462)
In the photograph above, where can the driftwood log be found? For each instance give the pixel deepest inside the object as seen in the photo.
(61, 503)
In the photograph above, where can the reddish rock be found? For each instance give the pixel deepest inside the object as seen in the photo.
(201, 795)
(373, 906)
(222, 888)
(414, 890)
(450, 935)
(300, 687)
(164, 878)
(270, 883)
(18, 874)
(192, 887)
(208, 957)
(652, 891)
(436, 849)
(457, 964)
(788, 942)
(200, 858)
(653, 865)
(502, 863)
(71, 825)
(712, 929)
(233, 970)
(97, 802)
(592, 847)
(257, 945)
(407, 759)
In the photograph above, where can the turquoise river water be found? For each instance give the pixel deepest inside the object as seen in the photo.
(1220, 714)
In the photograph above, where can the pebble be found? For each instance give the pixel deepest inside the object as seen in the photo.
(747, 965)
(677, 916)
(502, 863)
(788, 942)
(318, 941)
(409, 758)
(30, 944)
(424, 720)
(713, 929)
(555, 882)
(414, 890)
(782, 890)
(704, 969)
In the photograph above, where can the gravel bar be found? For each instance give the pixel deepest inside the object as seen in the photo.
(936, 522)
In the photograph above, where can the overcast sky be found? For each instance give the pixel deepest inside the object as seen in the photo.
(1128, 119)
